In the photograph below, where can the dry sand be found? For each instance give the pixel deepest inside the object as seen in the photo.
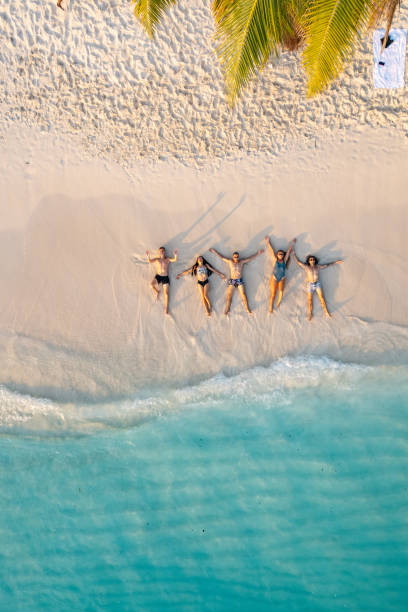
(111, 144)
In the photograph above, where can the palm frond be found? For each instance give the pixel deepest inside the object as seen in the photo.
(333, 28)
(248, 32)
(149, 13)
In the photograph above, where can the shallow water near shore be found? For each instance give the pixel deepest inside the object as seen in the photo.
(280, 488)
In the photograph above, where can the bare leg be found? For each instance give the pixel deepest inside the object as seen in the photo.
(241, 289)
(207, 299)
(281, 286)
(230, 291)
(166, 298)
(310, 306)
(204, 300)
(323, 302)
(273, 285)
(155, 286)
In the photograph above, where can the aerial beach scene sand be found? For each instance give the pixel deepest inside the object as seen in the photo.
(199, 460)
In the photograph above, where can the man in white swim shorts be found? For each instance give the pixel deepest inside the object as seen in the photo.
(312, 269)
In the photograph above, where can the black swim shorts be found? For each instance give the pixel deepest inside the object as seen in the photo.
(162, 279)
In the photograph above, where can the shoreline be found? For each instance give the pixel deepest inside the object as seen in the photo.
(77, 318)
(263, 385)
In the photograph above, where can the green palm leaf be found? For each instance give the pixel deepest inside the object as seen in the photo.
(149, 13)
(333, 28)
(248, 32)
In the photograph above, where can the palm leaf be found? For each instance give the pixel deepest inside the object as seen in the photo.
(149, 13)
(333, 28)
(248, 32)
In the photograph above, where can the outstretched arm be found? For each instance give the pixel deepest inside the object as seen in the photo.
(151, 259)
(251, 257)
(216, 271)
(184, 273)
(219, 255)
(270, 247)
(299, 263)
(174, 258)
(332, 263)
(290, 249)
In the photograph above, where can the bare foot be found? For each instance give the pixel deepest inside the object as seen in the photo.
(328, 315)
(226, 312)
(271, 311)
(309, 317)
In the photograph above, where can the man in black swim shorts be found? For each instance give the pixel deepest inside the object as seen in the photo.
(162, 277)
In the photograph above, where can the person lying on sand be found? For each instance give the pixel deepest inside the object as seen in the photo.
(162, 277)
(312, 268)
(202, 270)
(281, 260)
(235, 265)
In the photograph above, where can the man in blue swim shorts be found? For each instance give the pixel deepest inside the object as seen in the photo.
(235, 281)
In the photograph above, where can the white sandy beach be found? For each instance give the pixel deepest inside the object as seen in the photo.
(111, 144)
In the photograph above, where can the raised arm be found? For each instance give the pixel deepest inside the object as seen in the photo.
(216, 271)
(290, 249)
(174, 258)
(151, 259)
(299, 263)
(185, 272)
(219, 255)
(251, 257)
(270, 247)
(332, 263)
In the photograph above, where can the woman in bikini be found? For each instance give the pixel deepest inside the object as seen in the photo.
(312, 269)
(202, 270)
(281, 262)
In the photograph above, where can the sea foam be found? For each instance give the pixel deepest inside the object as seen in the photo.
(282, 383)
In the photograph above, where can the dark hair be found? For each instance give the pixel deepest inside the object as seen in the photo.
(314, 257)
(205, 263)
(281, 251)
(160, 248)
(235, 253)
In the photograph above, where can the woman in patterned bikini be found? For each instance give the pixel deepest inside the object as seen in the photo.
(202, 270)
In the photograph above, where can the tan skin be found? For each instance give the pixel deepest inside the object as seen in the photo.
(235, 265)
(276, 285)
(161, 264)
(202, 277)
(312, 269)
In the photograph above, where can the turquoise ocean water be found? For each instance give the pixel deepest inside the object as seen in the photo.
(281, 488)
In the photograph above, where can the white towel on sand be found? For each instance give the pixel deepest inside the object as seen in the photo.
(389, 66)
